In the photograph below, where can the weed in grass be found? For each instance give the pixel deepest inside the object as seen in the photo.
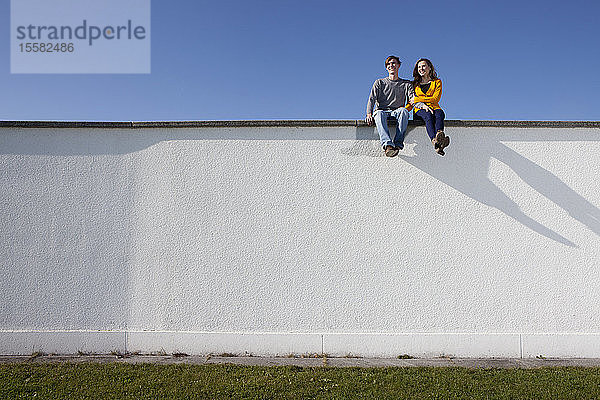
(227, 355)
(160, 353)
(315, 355)
(36, 354)
(120, 354)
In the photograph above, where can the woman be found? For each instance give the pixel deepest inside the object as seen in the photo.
(428, 91)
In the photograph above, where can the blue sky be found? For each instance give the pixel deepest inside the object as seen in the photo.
(509, 60)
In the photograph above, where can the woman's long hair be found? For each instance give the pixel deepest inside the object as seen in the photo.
(417, 78)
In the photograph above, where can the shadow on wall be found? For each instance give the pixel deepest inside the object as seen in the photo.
(468, 174)
(76, 141)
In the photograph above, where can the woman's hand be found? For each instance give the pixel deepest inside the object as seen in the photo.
(427, 108)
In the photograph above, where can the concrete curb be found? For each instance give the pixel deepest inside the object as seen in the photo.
(310, 362)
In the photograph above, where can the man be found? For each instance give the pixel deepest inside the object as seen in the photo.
(388, 97)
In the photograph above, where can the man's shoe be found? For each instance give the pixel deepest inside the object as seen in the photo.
(390, 151)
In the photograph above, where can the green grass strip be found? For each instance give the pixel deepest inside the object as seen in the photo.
(183, 381)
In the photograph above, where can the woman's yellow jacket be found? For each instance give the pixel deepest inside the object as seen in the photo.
(431, 98)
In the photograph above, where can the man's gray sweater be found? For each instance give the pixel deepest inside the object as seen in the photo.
(387, 94)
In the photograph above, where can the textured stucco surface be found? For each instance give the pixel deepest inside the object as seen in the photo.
(299, 230)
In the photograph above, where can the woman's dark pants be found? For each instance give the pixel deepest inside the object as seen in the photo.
(433, 122)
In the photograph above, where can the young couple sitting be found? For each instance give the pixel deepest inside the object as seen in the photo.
(395, 97)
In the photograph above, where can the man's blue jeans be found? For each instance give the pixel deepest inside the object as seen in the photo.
(384, 133)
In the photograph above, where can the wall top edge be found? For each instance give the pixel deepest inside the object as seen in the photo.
(283, 123)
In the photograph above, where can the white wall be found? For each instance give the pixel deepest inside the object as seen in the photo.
(273, 240)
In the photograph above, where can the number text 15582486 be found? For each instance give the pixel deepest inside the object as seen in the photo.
(46, 47)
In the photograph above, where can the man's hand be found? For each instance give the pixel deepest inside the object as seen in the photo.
(369, 119)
